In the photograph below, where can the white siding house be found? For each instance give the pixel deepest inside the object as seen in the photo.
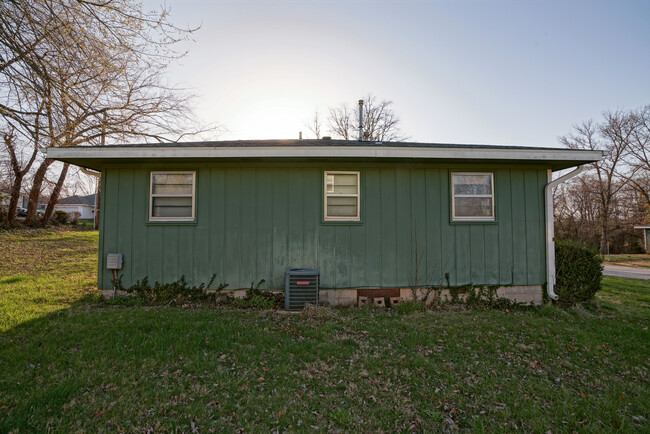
(86, 212)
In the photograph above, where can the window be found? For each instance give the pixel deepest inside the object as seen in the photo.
(342, 196)
(472, 196)
(172, 196)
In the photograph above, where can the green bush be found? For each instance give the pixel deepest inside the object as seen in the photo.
(255, 298)
(177, 291)
(578, 271)
(60, 217)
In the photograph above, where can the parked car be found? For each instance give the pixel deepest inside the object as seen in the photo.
(21, 212)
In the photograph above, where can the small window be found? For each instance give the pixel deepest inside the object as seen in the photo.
(172, 196)
(342, 196)
(473, 196)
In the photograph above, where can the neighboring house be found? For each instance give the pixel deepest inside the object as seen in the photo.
(5, 196)
(84, 205)
(372, 217)
(23, 201)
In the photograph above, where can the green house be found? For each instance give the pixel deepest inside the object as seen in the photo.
(372, 217)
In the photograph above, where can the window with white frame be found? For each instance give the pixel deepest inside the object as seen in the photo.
(342, 196)
(472, 196)
(172, 196)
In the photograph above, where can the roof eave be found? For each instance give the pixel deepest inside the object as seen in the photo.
(95, 157)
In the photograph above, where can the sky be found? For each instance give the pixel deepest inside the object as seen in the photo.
(510, 72)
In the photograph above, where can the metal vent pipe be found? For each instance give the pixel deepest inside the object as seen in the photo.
(360, 120)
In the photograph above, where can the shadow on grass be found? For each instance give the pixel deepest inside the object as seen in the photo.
(97, 366)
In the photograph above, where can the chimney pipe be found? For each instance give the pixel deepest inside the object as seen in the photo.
(360, 120)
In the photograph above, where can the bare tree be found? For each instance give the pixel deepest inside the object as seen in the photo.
(639, 153)
(577, 211)
(380, 122)
(341, 121)
(315, 125)
(19, 169)
(613, 135)
(77, 73)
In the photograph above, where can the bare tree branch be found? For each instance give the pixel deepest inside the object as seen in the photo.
(380, 122)
(613, 135)
(87, 72)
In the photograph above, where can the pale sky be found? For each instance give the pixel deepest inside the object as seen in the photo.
(496, 72)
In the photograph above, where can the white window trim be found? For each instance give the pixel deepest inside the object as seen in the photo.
(151, 196)
(357, 195)
(453, 198)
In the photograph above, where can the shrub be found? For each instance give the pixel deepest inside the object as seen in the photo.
(178, 291)
(60, 217)
(74, 217)
(578, 271)
(255, 298)
(181, 292)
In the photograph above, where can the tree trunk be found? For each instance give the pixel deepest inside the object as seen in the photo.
(54, 197)
(19, 174)
(13, 201)
(35, 193)
(603, 242)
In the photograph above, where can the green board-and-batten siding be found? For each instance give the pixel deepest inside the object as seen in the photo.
(254, 220)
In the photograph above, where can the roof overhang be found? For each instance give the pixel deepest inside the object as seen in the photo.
(95, 157)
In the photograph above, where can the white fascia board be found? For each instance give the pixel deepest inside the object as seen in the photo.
(99, 152)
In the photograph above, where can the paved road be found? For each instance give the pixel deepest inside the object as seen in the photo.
(629, 272)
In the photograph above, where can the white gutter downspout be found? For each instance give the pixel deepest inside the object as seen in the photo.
(550, 230)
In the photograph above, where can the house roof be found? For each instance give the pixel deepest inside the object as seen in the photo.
(78, 200)
(95, 157)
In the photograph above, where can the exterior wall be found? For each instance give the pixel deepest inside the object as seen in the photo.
(255, 219)
(85, 211)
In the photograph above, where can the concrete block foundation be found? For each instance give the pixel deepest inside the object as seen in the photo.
(525, 294)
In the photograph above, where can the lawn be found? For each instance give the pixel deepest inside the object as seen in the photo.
(641, 260)
(69, 362)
